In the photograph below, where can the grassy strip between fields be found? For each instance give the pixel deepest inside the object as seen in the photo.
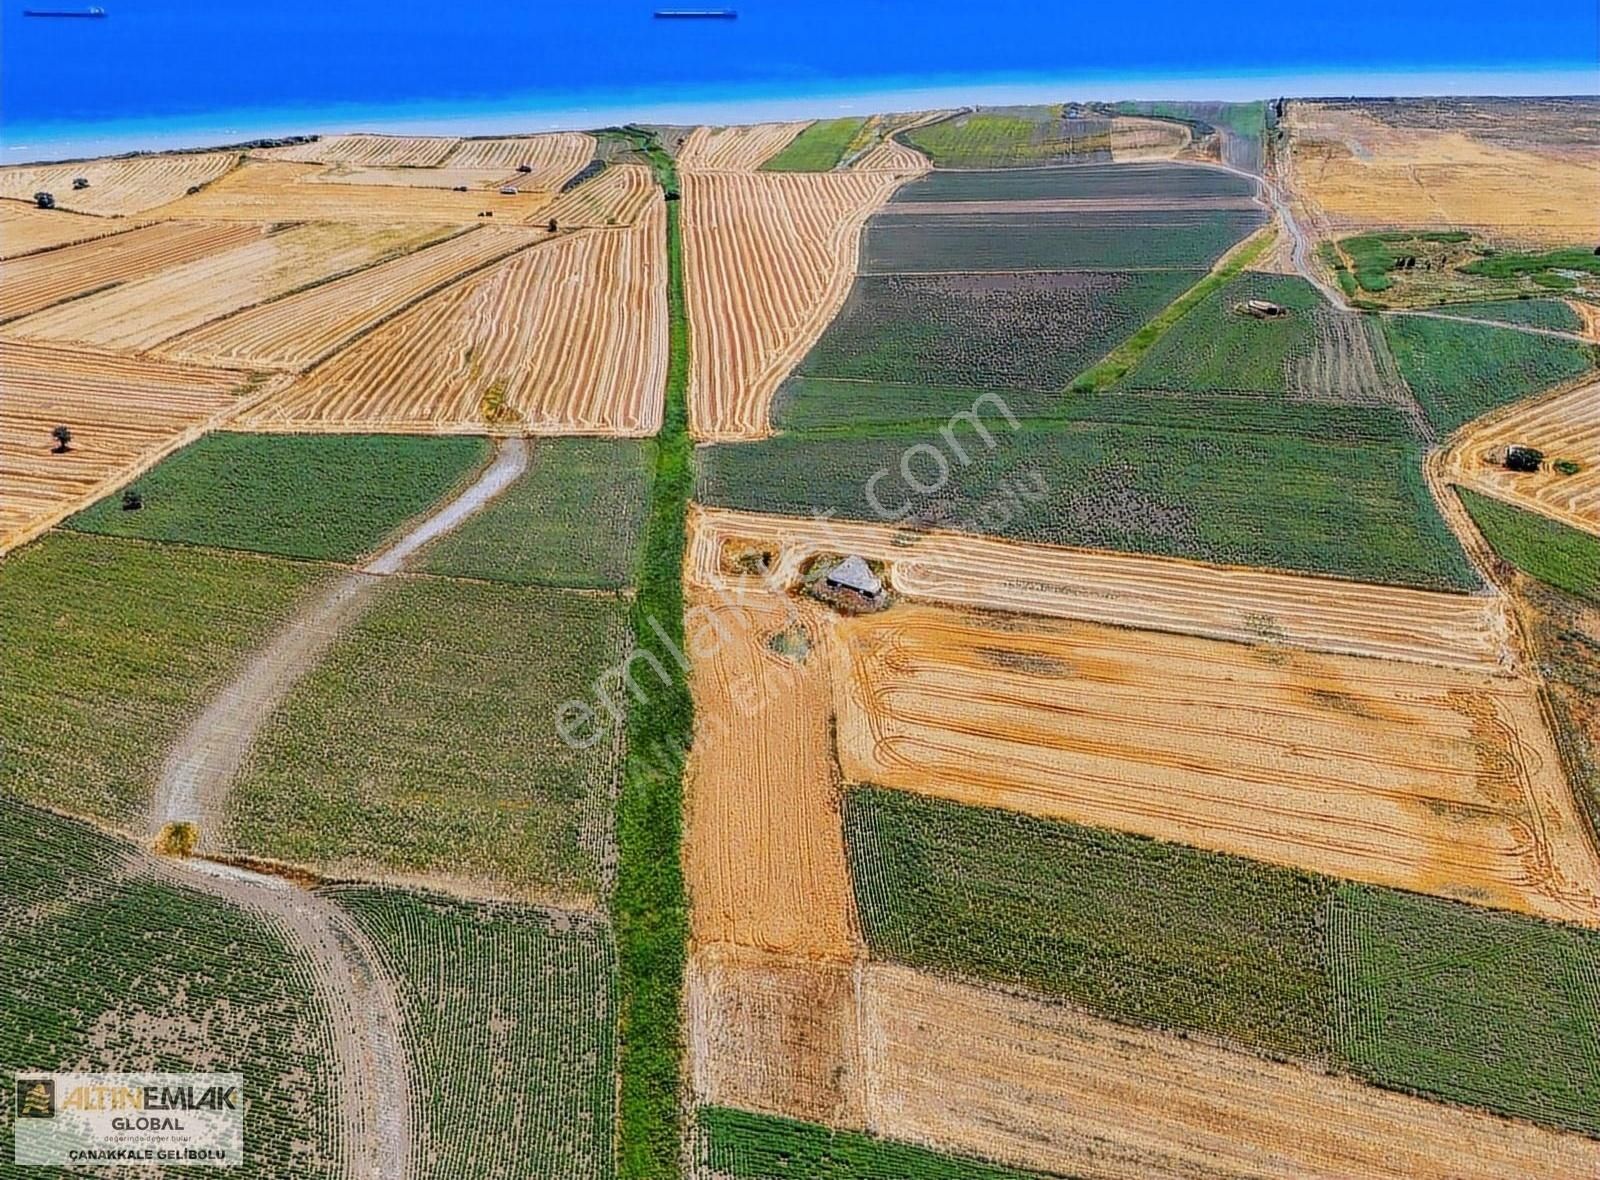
(1549, 550)
(650, 909)
(1122, 358)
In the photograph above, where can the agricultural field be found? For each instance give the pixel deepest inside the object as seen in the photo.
(1554, 314)
(734, 149)
(1414, 267)
(141, 314)
(374, 151)
(1461, 370)
(1549, 550)
(1239, 127)
(620, 195)
(124, 413)
(1566, 428)
(1020, 137)
(421, 747)
(324, 497)
(1181, 186)
(513, 1006)
(111, 965)
(39, 280)
(819, 148)
(298, 331)
(574, 520)
(26, 230)
(120, 186)
(111, 646)
(568, 337)
(1563, 633)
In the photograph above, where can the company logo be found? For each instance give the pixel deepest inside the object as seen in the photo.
(36, 1098)
(112, 1119)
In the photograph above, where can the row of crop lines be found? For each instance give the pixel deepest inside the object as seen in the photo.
(1030, 136)
(26, 229)
(819, 148)
(118, 187)
(109, 966)
(1434, 996)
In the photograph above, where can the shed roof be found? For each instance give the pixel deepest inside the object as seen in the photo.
(853, 573)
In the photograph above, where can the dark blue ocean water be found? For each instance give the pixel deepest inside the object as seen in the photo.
(284, 63)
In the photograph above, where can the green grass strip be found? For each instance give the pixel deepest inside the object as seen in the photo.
(818, 148)
(1547, 549)
(650, 908)
(1121, 359)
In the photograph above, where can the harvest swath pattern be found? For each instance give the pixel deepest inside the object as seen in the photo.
(38, 281)
(124, 414)
(24, 229)
(142, 314)
(381, 151)
(768, 260)
(295, 332)
(1304, 760)
(620, 195)
(553, 158)
(569, 337)
(735, 149)
(1564, 427)
(117, 187)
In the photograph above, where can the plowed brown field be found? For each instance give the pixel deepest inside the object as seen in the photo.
(378, 151)
(570, 336)
(142, 314)
(117, 187)
(296, 332)
(768, 260)
(620, 195)
(1430, 779)
(1245, 605)
(30, 284)
(124, 414)
(1566, 426)
(735, 149)
(763, 847)
(24, 229)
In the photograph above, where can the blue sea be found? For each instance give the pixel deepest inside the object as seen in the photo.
(162, 73)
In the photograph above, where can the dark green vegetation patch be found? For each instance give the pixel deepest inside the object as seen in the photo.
(110, 647)
(334, 497)
(1417, 993)
(572, 520)
(103, 968)
(1543, 268)
(1538, 313)
(1565, 557)
(425, 740)
(819, 148)
(766, 1147)
(1374, 256)
(1460, 371)
(509, 1009)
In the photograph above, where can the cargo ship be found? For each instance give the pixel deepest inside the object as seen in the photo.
(67, 13)
(696, 14)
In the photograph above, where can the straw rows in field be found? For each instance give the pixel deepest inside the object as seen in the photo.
(123, 413)
(30, 284)
(1298, 759)
(1565, 427)
(375, 151)
(568, 337)
(1217, 602)
(25, 229)
(117, 187)
(142, 314)
(552, 158)
(734, 149)
(298, 331)
(618, 196)
(768, 261)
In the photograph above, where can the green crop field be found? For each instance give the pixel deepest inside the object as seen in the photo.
(1142, 931)
(1011, 137)
(818, 148)
(1374, 256)
(1460, 371)
(748, 1146)
(1490, 1009)
(1235, 497)
(328, 496)
(104, 967)
(1031, 331)
(819, 403)
(425, 741)
(509, 1025)
(573, 519)
(1565, 557)
(1537, 266)
(1539, 313)
(1082, 182)
(110, 645)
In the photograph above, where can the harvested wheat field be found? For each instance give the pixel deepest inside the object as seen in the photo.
(375, 151)
(30, 284)
(735, 149)
(1566, 426)
(775, 1034)
(261, 190)
(620, 195)
(296, 332)
(568, 337)
(1129, 1103)
(26, 230)
(1353, 172)
(890, 155)
(445, 178)
(768, 259)
(124, 414)
(142, 314)
(1155, 593)
(1430, 779)
(553, 158)
(117, 187)
(1133, 138)
(763, 847)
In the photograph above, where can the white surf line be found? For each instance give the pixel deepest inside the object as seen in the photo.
(199, 769)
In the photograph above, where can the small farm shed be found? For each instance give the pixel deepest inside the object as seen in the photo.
(1261, 309)
(853, 573)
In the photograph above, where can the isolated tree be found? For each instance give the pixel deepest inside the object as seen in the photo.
(132, 501)
(63, 438)
(552, 225)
